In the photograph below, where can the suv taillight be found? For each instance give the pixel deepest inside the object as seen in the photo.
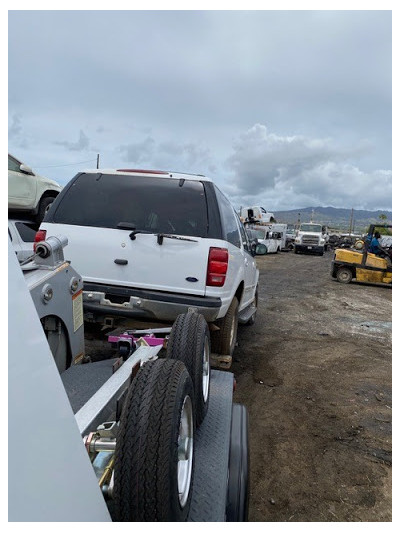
(40, 236)
(217, 267)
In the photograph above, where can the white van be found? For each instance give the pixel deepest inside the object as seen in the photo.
(279, 232)
(265, 235)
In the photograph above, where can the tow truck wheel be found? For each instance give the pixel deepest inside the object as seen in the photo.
(189, 342)
(154, 456)
(224, 340)
(344, 275)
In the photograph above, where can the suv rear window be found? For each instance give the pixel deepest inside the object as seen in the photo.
(159, 205)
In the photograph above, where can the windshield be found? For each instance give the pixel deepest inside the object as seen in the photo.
(156, 205)
(317, 228)
(259, 233)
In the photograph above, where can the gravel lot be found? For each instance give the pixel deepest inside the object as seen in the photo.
(315, 374)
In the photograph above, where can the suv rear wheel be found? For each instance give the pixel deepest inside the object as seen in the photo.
(223, 341)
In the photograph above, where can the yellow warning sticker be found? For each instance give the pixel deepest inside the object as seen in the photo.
(77, 309)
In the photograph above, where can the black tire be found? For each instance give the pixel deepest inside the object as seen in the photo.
(189, 342)
(344, 275)
(223, 341)
(252, 319)
(124, 351)
(148, 451)
(44, 204)
(237, 506)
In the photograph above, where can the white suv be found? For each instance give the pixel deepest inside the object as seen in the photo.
(27, 191)
(151, 244)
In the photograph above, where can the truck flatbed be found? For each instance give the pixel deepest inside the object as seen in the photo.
(212, 437)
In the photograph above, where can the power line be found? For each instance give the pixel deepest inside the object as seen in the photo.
(67, 165)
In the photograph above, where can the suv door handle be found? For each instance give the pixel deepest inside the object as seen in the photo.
(120, 261)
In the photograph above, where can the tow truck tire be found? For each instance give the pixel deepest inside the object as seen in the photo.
(237, 506)
(223, 341)
(154, 456)
(344, 275)
(189, 342)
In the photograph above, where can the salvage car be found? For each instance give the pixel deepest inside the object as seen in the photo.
(151, 244)
(29, 192)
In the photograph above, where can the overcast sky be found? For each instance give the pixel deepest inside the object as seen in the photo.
(285, 109)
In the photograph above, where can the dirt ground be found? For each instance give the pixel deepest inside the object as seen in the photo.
(315, 374)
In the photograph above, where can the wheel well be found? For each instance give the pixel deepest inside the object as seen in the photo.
(349, 267)
(46, 194)
(239, 291)
(50, 194)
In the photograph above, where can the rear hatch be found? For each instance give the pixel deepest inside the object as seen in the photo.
(135, 231)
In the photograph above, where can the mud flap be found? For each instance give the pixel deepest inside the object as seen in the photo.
(223, 362)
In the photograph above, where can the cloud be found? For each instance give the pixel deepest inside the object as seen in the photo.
(16, 128)
(79, 146)
(170, 155)
(301, 171)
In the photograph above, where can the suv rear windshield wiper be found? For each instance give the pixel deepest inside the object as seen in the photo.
(160, 236)
(126, 225)
(129, 225)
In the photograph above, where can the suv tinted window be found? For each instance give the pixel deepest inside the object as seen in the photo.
(228, 219)
(159, 205)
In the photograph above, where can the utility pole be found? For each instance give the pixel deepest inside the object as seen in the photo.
(98, 159)
(351, 221)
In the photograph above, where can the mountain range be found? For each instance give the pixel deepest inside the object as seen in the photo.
(335, 218)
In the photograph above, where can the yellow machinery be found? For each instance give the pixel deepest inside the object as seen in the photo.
(361, 265)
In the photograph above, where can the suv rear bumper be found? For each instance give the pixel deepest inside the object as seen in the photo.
(145, 304)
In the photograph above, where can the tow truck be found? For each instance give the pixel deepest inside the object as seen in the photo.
(150, 434)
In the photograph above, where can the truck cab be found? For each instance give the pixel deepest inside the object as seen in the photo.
(309, 239)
